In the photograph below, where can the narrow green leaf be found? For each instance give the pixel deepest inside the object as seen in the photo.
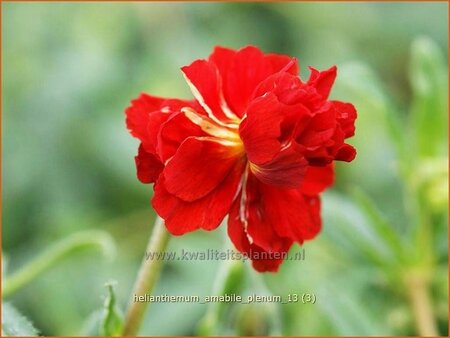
(378, 222)
(351, 228)
(234, 277)
(91, 326)
(376, 150)
(55, 253)
(230, 280)
(344, 308)
(429, 82)
(112, 323)
(15, 324)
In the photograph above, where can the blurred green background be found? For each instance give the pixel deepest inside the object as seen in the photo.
(70, 69)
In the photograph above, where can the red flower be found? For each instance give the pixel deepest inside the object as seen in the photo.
(256, 144)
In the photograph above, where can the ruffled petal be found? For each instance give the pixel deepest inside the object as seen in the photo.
(317, 179)
(246, 71)
(346, 153)
(321, 137)
(277, 83)
(281, 62)
(268, 127)
(267, 257)
(173, 132)
(259, 229)
(154, 124)
(206, 86)
(198, 167)
(260, 130)
(301, 221)
(287, 169)
(242, 71)
(222, 57)
(137, 116)
(322, 80)
(146, 114)
(205, 213)
(346, 116)
(148, 166)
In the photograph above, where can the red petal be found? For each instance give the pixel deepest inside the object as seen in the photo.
(246, 71)
(222, 58)
(321, 137)
(148, 166)
(260, 130)
(205, 213)
(278, 83)
(346, 116)
(268, 125)
(198, 167)
(154, 124)
(173, 132)
(151, 110)
(322, 81)
(262, 259)
(259, 228)
(287, 169)
(299, 223)
(279, 62)
(242, 71)
(346, 153)
(315, 139)
(206, 86)
(317, 179)
(265, 221)
(138, 113)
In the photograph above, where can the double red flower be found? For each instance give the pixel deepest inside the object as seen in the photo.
(256, 144)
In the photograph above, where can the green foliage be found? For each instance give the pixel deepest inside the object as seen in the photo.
(107, 322)
(429, 110)
(112, 323)
(382, 229)
(14, 324)
(68, 166)
(230, 280)
(55, 253)
(375, 246)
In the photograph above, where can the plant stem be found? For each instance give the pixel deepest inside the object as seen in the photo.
(421, 305)
(148, 275)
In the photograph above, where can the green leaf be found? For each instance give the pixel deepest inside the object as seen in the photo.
(257, 320)
(428, 76)
(230, 280)
(55, 253)
(235, 274)
(112, 322)
(431, 177)
(344, 308)
(350, 228)
(15, 324)
(378, 222)
(91, 326)
(376, 150)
